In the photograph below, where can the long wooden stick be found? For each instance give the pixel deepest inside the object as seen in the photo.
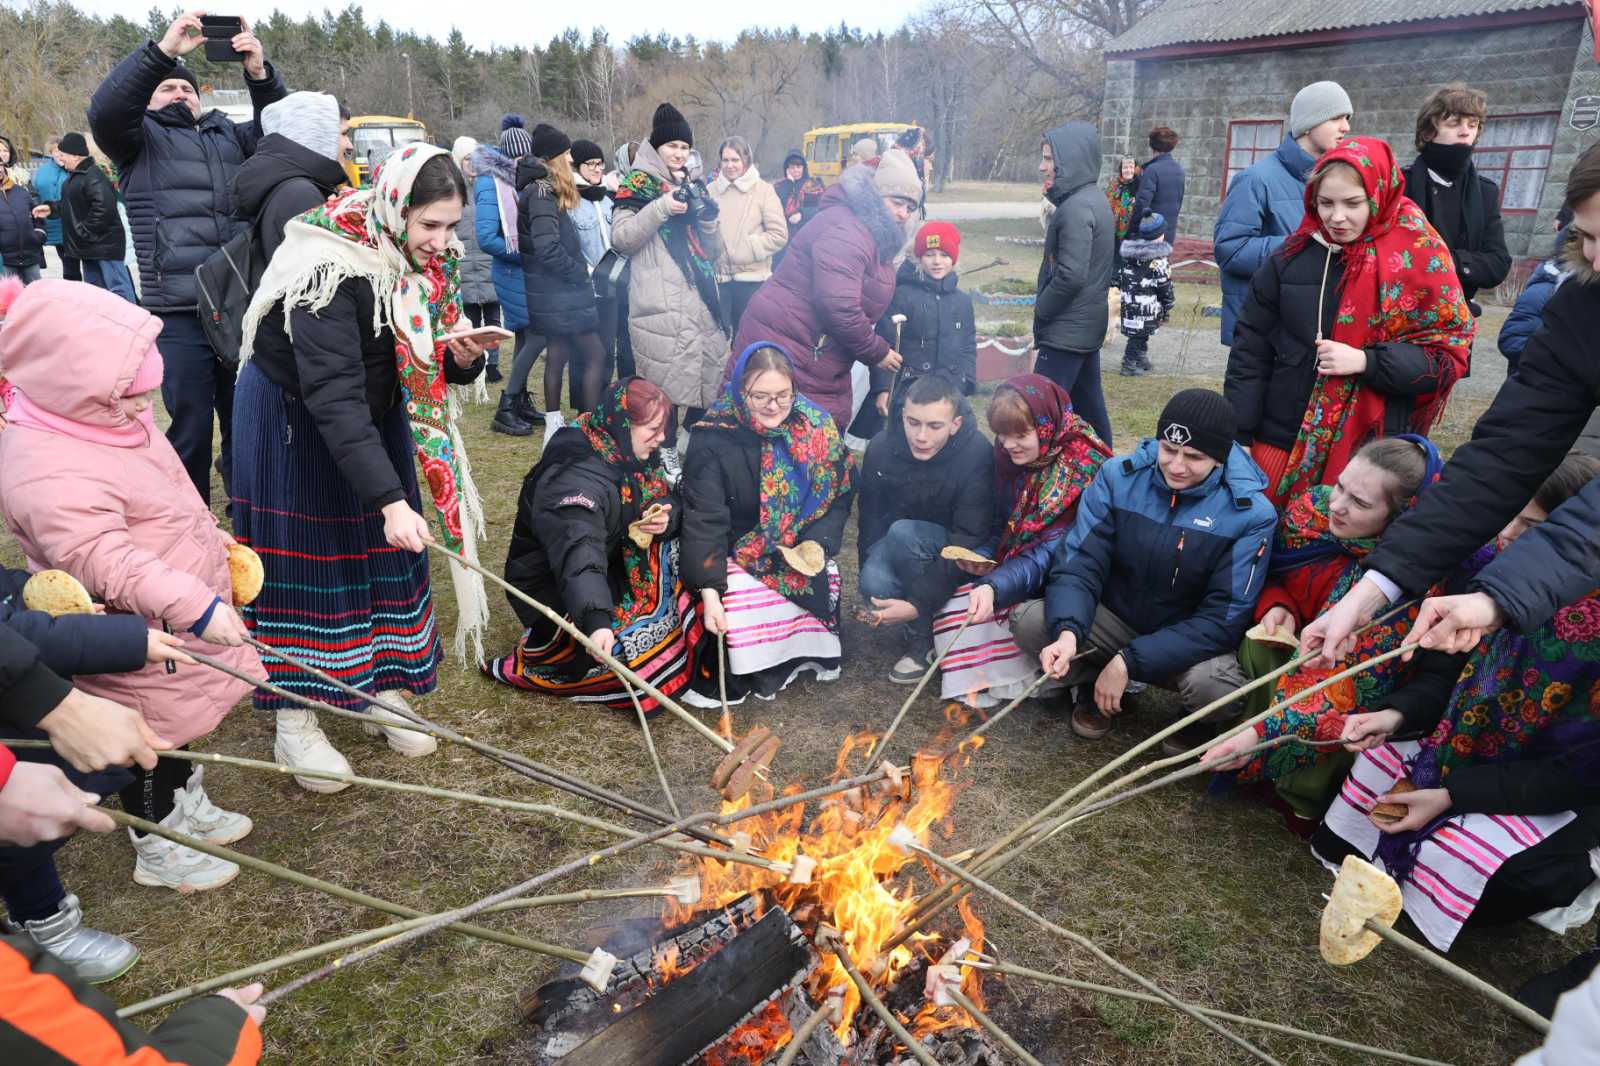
(995, 719)
(801, 1035)
(995, 1031)
(650, 746)
(973, 881)
(617, 667)
(933, 668)
(870, 998)
(283, 873)
(1013, 970)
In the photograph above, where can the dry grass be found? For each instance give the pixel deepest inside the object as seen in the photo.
(1211, 898)
(961, 192)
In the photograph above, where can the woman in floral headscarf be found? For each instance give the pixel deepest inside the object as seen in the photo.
(766, 472)
(595, 538)
(343, 390)
(1355, 329)
(1121, 191)
(1044, 457)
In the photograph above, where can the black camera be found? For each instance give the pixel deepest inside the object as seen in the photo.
(702, 208)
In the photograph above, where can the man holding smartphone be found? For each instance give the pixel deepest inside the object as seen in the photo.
(177, 168)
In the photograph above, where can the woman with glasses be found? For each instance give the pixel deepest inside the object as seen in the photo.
(768, 473)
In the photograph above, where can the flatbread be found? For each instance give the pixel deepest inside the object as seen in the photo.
(1259, 634)
(245, 573)
(956, 553)
(1362, 891)
(1393, 812)
(56, 592)
(807, 557)
(635, 531)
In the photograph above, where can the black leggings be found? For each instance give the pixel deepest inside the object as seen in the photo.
(587, 357)
(151, 796)
(528, 346)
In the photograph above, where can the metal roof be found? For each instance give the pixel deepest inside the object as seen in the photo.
(1202, 22)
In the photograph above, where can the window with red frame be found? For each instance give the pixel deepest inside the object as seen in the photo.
(1514, 153)
(1249, 142)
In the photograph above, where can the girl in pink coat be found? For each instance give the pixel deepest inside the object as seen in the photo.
(90, 486)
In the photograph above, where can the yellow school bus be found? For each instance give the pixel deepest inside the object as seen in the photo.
(383, 132)
(827, 147)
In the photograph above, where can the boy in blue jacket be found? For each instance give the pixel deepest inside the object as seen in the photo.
(1159, 575)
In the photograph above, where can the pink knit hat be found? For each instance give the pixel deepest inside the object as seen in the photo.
(148, 376)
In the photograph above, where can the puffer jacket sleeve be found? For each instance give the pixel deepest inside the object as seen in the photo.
(1023, 576)
(1237, 240)
(117, 109)
(1535, 418)
(74, 643)
(486, 221)
(292, 198)
(29, 689)
(707, 521)
(541, 237)
(1528, 313)
(1223, 614)
(334, 389)
(1081, 561)
(632, 228)
(1072, 234)
(1397, 369)
(839, 266)
(264, 92)
(573, 508)
(1251, 358)
(1554, 564)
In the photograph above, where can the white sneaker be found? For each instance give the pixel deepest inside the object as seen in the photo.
(205, 819)
(407, 742)
(301, 742)
(672, 465)
(161, 863)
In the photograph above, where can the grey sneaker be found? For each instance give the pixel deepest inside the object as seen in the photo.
(97, 957)
(672, 465)
(908, 670)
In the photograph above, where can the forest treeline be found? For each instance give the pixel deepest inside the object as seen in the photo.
(984, 77)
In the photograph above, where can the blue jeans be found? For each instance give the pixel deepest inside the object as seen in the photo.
(1079, 374)
(896, 562)
(111, 275)
(195, 385)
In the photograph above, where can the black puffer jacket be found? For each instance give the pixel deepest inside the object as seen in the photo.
(938, 333)
(566, 545)
(346, 396)
(554, 271)
(722, 502)
(283, 179)
(954, 489)
(21, 243)
(29, 689)
(1467, 216)
(1272, 366)
(90, 225)
(177, 171)
(1080, 247)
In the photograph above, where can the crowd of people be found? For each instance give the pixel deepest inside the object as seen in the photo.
(688, 519)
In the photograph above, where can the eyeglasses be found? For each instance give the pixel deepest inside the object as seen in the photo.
(769, 399)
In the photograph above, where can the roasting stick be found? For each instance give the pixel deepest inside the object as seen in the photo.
(992, 720)
(995, 1031)
(903, 838)
(650, 746)
(933, 668)
(1466, 978)
(248, 973)
(829, 940)
(1012, 970)
(822, 1014)
(283, 873)
(588, 645)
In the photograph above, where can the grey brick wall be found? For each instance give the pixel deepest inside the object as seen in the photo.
(1522, 68)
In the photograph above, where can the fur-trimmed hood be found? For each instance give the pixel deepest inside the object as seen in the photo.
(495, 163)
(1142, 250)
(856, 190)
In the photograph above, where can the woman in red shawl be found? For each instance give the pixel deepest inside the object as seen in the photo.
(1044, 457)
(1356, 329)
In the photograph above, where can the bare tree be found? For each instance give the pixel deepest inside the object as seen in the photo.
(602, 77)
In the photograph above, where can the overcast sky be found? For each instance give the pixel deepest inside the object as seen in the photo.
(485, 23)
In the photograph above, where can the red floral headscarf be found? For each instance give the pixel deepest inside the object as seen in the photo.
(1070, 456)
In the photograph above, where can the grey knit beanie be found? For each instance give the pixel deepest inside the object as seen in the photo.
(1316, 104)
(309, 119)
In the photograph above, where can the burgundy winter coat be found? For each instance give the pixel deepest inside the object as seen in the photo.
(834, 283)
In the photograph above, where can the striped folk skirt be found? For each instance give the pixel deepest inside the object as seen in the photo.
(336, 594)
(984, 667)
(771, 641)
(657, 647)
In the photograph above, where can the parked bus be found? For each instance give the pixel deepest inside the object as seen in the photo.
(827, 147)
(382, 132)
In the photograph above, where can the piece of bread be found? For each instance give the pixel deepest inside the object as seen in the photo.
(807, 557)
(1362, 891)
(1393, 812)
(245, 573)
(1259, 634)
(957, 554)
(635, 531)
(56, 592)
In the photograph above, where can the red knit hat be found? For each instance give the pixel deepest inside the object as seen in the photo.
(940, 235)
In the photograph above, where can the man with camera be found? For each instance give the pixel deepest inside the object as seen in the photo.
(177, 168)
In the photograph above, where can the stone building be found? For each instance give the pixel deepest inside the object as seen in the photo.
(1222, 73)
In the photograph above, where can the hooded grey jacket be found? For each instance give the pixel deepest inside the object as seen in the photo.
(1079, 246)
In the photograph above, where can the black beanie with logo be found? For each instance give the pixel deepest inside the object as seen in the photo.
(1199, 419)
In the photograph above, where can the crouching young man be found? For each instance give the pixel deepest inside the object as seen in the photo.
(927, 483)
(1157, 579)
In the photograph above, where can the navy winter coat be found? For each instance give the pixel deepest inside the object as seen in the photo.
(177, 171)
(20, 245)
(1528, 314)
(489, 163)
(1183, 569)
(938, 333)
(554, 272)
(1263, 206)
(1160, 192)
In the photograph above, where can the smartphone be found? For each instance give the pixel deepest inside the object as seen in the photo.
(219, 32)
(487, 336)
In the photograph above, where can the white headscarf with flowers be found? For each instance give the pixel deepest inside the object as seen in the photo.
(361, 234)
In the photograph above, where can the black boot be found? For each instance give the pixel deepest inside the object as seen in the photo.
(1130, 367)
(492, 375)
(507, 420)
(523, 405)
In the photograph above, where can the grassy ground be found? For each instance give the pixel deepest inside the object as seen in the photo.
(958, 192)
(1209, 897)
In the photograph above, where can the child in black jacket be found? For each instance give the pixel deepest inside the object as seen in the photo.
(1147, 296)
